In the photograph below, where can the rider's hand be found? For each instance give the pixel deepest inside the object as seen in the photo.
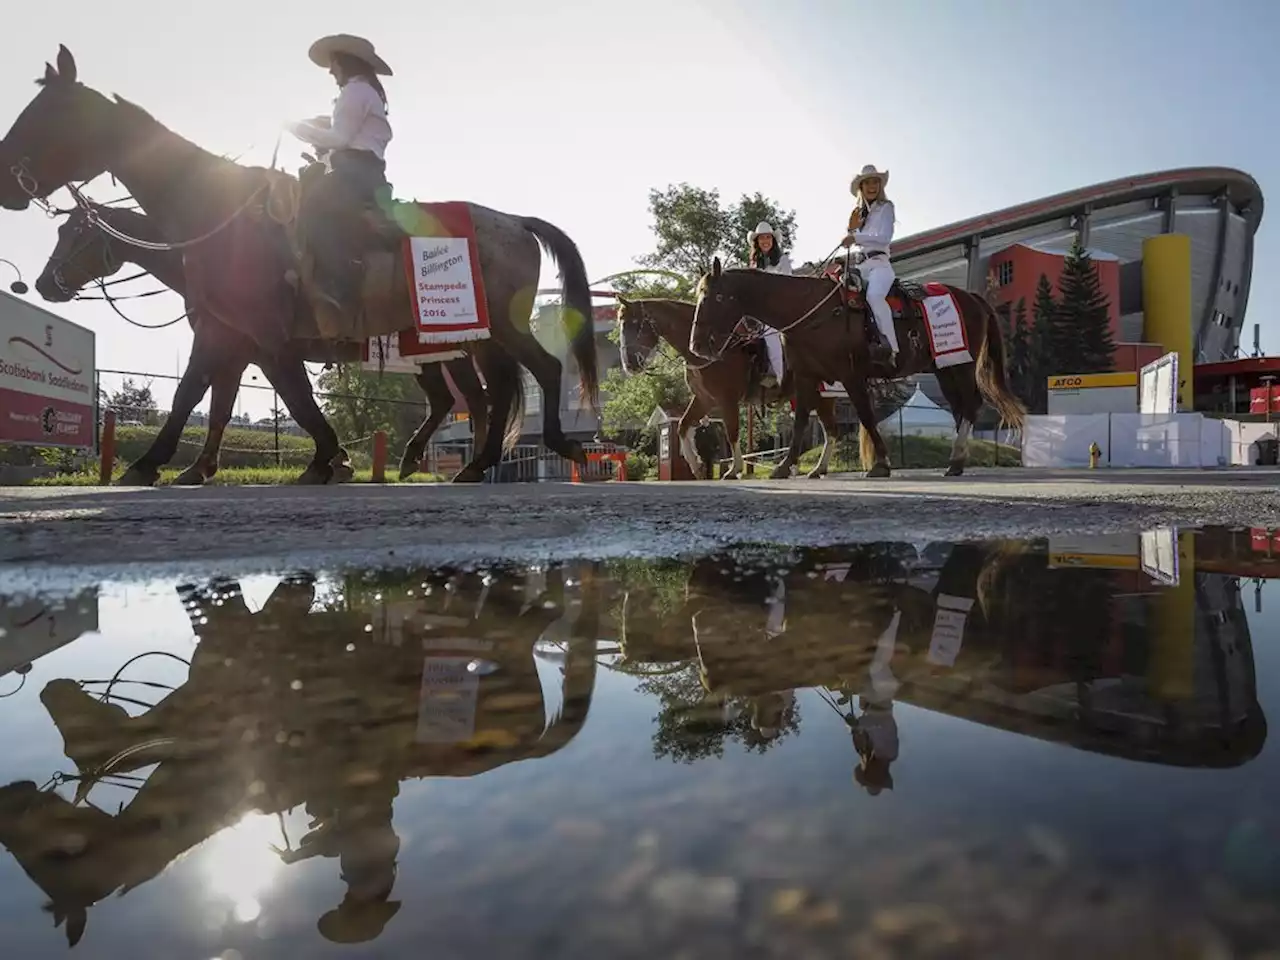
(848, 240)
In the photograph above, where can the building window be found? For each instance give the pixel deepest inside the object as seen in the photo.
(1004, 273)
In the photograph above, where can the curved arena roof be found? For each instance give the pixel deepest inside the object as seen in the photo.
(1219, 208)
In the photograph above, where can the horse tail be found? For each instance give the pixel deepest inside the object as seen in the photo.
(993, 380)
(576, 311)
(515, 416)
(866, 449)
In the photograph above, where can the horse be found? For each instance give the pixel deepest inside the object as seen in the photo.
(238, 255)
(827, 340)
(721, 384)
(87, 253)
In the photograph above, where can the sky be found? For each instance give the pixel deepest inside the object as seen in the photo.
(572, 110)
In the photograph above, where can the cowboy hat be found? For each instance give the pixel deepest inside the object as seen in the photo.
(764, 226)
(868, 172)
(322, 51)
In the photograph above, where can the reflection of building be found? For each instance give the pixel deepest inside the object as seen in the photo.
(1129, 224)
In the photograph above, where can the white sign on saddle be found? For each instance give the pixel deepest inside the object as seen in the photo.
(387, 349)
(948, 629)
(945, 326)
(447, 700)
(445, 290)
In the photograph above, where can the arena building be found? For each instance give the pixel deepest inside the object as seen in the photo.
(1147, 233)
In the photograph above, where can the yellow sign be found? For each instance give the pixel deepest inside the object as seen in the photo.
(1089, 381)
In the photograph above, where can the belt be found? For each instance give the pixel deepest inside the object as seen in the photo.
(859, 257)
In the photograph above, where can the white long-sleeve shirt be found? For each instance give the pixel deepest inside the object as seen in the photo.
(782, 266)
(876, 233)
(359, 122)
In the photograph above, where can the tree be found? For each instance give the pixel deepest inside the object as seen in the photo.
(133, 402)
(1041, 360)
(693, 228)
(363, 401)
(632, 399)
(1082, 328)
(1020, 353)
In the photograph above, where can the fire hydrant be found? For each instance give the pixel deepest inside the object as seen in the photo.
(1095, 452)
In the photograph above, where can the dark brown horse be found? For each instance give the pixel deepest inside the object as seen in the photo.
(722, 384)
(827, 339)
(86, 253)
(238, 257)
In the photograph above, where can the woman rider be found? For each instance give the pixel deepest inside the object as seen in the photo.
(767, 255)
(354, 142)
(870, 232)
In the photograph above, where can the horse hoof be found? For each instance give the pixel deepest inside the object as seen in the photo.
(575, 452)
(955, 470)
(817, 473)
(781, 472)
(315, 476)
(730, 475)
(468, 475)
(190, 477)
(878, 471)
(138, 477)
(341, 473)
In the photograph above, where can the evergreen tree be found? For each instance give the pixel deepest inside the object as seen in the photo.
(1041, 360)
(1019, 353)
(1082, 327)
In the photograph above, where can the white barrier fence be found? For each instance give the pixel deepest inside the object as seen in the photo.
(1142, 440)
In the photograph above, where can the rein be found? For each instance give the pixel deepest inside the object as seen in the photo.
(647, 321)
(737, 338)
(112, 232)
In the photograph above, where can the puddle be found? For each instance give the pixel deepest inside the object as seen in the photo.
(994, 749)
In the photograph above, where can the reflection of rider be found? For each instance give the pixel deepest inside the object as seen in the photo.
(870, 232)
(767, 255)
(875, 732)
(356, 138)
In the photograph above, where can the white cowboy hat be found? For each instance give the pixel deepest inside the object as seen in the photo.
(323, 50)
(868, 172)
(764, 226)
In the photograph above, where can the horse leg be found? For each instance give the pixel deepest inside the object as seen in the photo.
(331, 463)
(546, 370)
(439, 404)
(693, 413)
(207, 353)
(826, 409)
(965, 402)
(731, 412)
(468, 383)
(501, 387)
(222, 398)
(856, 387)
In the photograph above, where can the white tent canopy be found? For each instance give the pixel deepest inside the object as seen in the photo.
(919, 417)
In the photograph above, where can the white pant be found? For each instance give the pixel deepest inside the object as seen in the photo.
(877, 278)
(773, 346)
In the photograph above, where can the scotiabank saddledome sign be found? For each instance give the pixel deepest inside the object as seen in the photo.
(46, 378)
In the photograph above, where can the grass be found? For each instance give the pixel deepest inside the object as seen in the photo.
(930, 453)
(231, 477)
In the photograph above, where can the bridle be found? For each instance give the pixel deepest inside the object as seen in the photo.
(645, 323)
(748, 329)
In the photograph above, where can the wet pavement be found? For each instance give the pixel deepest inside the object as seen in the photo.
(971, 747)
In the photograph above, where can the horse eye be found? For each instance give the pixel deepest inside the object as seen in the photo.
(719, 298)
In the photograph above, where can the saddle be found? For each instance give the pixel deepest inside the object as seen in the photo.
(906, 303)
(364, 232)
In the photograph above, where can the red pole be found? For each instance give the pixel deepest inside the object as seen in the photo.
(380, 456)
(751, 440)
(107, 457)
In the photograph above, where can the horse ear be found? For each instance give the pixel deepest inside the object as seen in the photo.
(715, 268)
(50, 74)
(66, 65)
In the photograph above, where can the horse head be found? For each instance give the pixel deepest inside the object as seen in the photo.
(81, 256)
(64, 135)
(718, 312)
(637, 336)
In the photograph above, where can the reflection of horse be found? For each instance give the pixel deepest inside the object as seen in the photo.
(86, 253)
(826, 341)
(282, 709)
(724, 384)
(238, 254)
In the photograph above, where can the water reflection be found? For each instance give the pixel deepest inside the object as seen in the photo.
(294, 726)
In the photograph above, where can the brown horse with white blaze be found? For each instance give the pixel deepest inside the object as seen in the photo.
(827, 331)
(722, 384)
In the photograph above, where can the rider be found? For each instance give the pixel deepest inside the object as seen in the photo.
(767, 255)
(354, 141)
(870, 231)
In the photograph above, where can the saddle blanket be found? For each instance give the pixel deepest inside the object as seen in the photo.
(947, 339)
(948, 629)
(443, 263)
